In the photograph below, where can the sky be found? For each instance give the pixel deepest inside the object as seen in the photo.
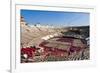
(55, 18)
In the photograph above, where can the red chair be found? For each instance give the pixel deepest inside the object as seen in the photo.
(28, 51)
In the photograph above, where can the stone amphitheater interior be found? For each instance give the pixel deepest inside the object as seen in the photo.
(45, 43)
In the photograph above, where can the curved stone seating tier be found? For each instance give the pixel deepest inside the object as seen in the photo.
(42, 44)
(70, 40)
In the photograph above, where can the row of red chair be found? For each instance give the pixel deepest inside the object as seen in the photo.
(72, 49)
(54, 51)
